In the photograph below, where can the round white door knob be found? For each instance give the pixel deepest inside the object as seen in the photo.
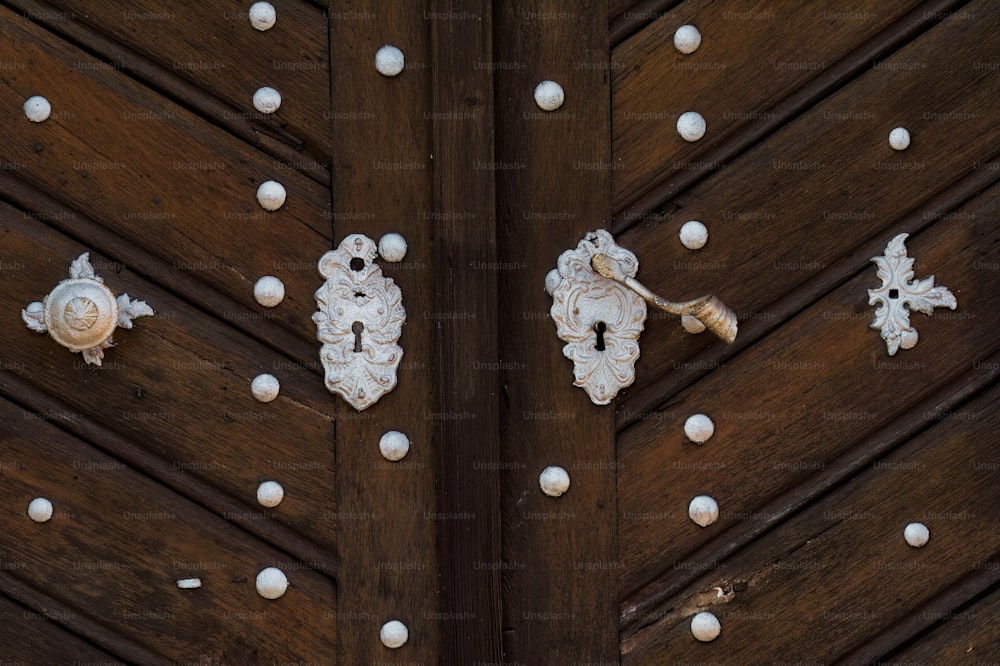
(389, 61)
(271, 583)
(37, 109)
(549, 95)
(40, 510)
(394, 634)
(269, 291)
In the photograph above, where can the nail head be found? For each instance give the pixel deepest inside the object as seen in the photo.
(693, 235)
(899, 138)
(687, 39)
(262, 15)
(394, 445)
(394, 634)
(703, 510)
(270, 494)
(916, 534)
(392, 247)
(699, 428)
(705, 626)
(269, 291)
(691, 126)
(549, 95)
(265, 387)
(266, 100)
(554, 481)
(40, 510)
(271, 583)
(37, 109)
(389, 61)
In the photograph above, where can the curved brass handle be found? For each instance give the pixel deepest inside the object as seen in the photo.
(709, 310)
(81, 313)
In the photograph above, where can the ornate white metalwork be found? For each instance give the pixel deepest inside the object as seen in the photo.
(898, 291)
(81, 313)
(359, 322)
(599, 319)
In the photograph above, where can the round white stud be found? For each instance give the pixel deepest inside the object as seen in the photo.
(269, 291)
(394, 445)
(549, 95)
(271, 195)
(394, 634)
(265, 387)
(899, 138)
(705, 627)
(692, 324)
(693, 235)
(262, 15)
(703, 510)
(271, 583)
(37, 109)
(266, 100)
(189, 583)
(392, 247)
(691, 126)
(687, 39)
(699, 428)
(552, 280)
(270, 494)
(40, 510)
(916, 534)
(389, 61)
(554, 481)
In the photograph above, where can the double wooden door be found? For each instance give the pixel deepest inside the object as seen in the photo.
(824, 447)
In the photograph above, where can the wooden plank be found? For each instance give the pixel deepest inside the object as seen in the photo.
(118, 542)
(783, 214)
(161, 178)
(971, 630)
(559, 554)
(466, 346)
(383, 183)
(840, 573)
(741, 46)
(214, 48)
(29, 636)
(803, 395)
(178, 383)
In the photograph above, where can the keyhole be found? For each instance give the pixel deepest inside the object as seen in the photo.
(356, 328)
(894, 293)
(599, 328)
(357, 263)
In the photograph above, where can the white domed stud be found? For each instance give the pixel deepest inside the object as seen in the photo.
(269, 291)
(899, 138)
(271, 583)
(267, 100)
(691, 324)
(389, 61)
(265, 387)
(705, 627)
(691, 126)
(37, 109)
(693, 235)
(687, 39)
(392, 247)
(394, 445)
(271, 195)
(394, 634)
(699, 428)
(703, 510)
(270, 494)
(916, 534)
(262, 15)
(40, 510)
(81, 313)
(554, 481)
(552, 280)
(549, 95)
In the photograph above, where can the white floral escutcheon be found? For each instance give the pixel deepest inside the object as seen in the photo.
(591, 312)
(898, 291)
(359, 321)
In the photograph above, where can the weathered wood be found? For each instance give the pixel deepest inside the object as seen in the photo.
(465, 337)
(213, 48)
(741, 47)
(553, 185)
(785, 407)
(118, 542)
(46, 642)
(383, 183)
(966, 631)
(840, 573)
(783, 213)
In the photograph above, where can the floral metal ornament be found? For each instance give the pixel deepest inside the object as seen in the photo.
(359, 321)
(898, 291)
(81, 313)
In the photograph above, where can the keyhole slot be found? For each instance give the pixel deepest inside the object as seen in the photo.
(357, 263)
(894, 293)
(599, 328)
(356, 328)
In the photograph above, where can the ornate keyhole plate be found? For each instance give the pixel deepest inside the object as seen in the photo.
(359, 321)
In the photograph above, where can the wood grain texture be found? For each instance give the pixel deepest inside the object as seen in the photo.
(785, 407)
(559, 554)
(465, 337)
(47, 642)
(970, 630)
(783, 214)
(382, 183)
(840, 573)
(741, 47)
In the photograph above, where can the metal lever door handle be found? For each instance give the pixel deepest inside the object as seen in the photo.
(600, 309)
(81, 313)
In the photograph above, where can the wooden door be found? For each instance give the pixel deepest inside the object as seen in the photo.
(824, 447)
